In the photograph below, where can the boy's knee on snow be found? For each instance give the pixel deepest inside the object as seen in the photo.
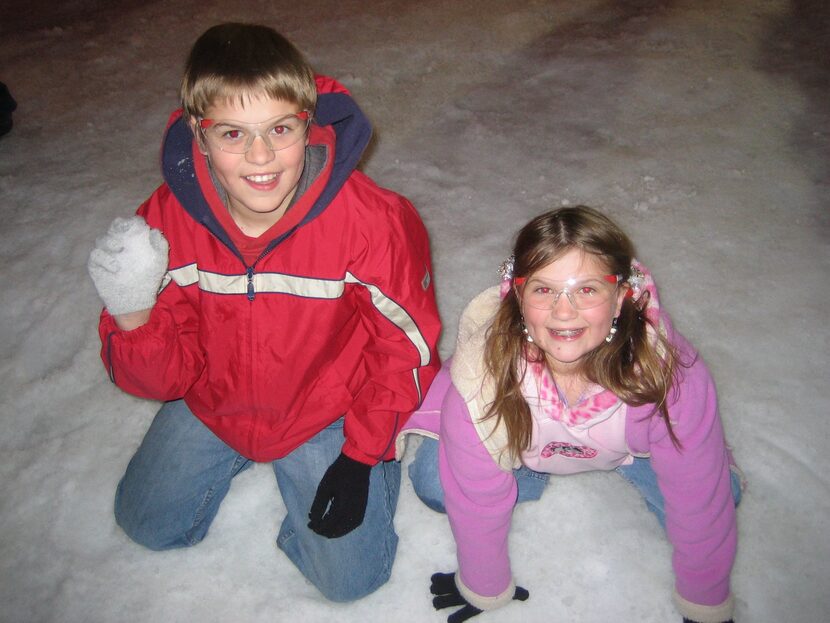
(343, 586)
(153, 530)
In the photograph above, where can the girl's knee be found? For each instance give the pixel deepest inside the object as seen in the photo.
(423, 473)
(432, 496)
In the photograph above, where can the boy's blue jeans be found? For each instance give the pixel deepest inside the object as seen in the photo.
(423, 472)
(180, 474)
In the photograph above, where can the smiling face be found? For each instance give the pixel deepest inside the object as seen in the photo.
(260, 183)
(565, 334)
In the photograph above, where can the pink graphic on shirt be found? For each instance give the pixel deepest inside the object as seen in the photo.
(569, 450)
(593, 406)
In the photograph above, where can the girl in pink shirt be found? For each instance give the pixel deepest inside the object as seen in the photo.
(571, 366)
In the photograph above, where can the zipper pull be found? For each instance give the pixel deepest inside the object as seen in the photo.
(251, 292)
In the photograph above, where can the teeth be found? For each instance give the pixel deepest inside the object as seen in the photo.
(568, 332)
(261, 179)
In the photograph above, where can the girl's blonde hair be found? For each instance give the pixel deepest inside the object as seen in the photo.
(243, 61)
(637, 365)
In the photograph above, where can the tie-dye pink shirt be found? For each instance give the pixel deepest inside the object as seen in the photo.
(587, 436)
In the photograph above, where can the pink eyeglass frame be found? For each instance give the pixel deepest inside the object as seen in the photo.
(615, 279)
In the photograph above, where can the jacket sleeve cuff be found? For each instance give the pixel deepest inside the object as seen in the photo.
(353, 452)
(705, 614)
(485, 603)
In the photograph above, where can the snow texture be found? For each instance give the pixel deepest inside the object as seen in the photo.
(700, 125)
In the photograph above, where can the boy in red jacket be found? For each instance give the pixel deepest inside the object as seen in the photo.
(280, 303)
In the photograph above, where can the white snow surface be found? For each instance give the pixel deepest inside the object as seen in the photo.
(700, 126)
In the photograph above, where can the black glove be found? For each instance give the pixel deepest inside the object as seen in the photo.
(340, 503)
(447, 595)
(685, 620)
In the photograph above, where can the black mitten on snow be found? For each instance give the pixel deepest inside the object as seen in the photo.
(340, 503)
(447, 595)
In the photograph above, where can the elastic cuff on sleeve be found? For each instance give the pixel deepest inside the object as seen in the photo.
(705, 614)
(351, 451)
(485, 603)
(400, 441)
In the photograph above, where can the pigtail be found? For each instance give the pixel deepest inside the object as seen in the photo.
(505, 360)
(639, 365)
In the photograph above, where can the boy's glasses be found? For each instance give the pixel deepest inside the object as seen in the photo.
(583, 293)
(237, 137)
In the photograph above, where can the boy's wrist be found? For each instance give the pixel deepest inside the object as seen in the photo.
(132, 320)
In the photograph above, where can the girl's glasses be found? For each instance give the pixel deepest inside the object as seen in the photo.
(582, 292)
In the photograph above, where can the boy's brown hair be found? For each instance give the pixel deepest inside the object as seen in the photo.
(236, 61)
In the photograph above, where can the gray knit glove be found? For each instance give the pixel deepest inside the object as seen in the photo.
(128, 264)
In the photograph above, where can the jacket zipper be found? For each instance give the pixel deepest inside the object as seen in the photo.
(249, 270)
(251, 292)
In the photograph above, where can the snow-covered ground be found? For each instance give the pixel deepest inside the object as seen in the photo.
(700, 125)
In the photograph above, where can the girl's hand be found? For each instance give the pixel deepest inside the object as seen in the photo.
(447, 595)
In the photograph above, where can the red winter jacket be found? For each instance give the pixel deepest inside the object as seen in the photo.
(336, 318)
